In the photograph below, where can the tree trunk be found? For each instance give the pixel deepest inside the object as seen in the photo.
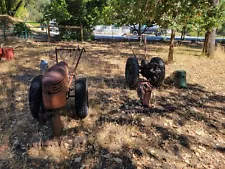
(183, 32)
(211, 44)
(212, 35)
(4, 30)
(171, 49)
(3, 7)
(205, 45)
(49, 35)
(139, 31)
(81, 33)
(19, 4)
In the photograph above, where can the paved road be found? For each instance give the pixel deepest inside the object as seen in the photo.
(108, 37)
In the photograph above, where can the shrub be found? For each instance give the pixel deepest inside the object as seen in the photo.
(21, 29)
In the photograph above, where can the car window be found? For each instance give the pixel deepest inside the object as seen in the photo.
(143, 27)
(115, 27)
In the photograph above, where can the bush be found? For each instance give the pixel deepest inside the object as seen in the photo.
(74, 34)
(194, 33)
(20, 29)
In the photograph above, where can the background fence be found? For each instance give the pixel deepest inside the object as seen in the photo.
(40, 31)
(23, 30)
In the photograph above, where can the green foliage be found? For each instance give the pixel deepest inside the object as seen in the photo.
(21, 12)
(75, 34)
(195, 33)
(11, 7)
(67, 34)
(24, 9)
(35, 9)
(129, 12)
(195, 16)
(21, 29)
(83, 12)
(221, 30)
(57, 10)
(175, 14)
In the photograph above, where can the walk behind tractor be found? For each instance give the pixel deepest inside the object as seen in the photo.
(153, 71)
(49, 92)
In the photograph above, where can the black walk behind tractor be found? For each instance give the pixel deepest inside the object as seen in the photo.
(49, 92)
(153, 71)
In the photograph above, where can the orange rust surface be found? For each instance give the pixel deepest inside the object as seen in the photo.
(55, 86)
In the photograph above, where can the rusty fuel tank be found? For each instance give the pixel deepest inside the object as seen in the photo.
(55, 86)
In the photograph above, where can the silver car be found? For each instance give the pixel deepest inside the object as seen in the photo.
(155, 29)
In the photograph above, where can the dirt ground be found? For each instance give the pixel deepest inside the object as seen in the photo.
(187, 132)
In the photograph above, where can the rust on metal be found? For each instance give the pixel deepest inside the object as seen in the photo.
(144, 91)
(56, 83)
(74, 66)
(57, 126)
(6, 54)
(78, 60)
(55, 86)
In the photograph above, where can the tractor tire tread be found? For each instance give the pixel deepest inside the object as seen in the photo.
(35, 97)
(81, 97)
(132, 72)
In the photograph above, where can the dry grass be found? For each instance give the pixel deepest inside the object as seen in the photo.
(189, 134)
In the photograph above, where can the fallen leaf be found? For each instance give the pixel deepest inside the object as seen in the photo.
(118, 160)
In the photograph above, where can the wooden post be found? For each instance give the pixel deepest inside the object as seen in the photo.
(25, 31)
(4, 34)
(49, 36)
(81, 33)
(145, 41)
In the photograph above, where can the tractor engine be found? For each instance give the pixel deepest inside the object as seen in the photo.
(55, 86)
(153, 70)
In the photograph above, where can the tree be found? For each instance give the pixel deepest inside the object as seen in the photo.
(175, 15)
(221, 29)
(35, 9)
(10, 7)
(212, 18)
(56, 10)
(24, 9)
(198, 15)
(130, 12)
(84, 13)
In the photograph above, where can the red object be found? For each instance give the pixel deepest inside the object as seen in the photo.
(54, 86)
(6, 53)
(144, 91)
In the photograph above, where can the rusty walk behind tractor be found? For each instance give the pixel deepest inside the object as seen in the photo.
(49, 92)
(153, 71)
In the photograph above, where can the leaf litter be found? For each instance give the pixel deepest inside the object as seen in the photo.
(189, 132)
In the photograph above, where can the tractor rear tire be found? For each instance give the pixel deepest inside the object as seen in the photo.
(132, 72)
(35, 97)
(160, 76)
(81, 97)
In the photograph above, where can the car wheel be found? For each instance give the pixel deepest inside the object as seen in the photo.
(135, 32)
(132, 72)
(158, 34)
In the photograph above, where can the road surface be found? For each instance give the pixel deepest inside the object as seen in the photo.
(108, 37)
